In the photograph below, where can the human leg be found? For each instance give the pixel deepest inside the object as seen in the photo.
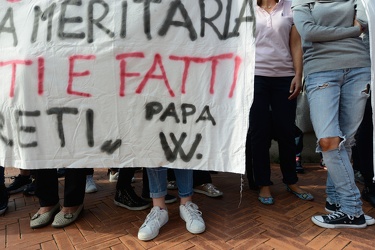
(365, 154)
(337, 101)
(46, 189)
(20, 182)
(298, 137)
(90, 183)
(283, 124)
(260, 137)
(146, 187)
(74, 193)
(158, 215)
(188, 210)
(125, 195)
(283, 117)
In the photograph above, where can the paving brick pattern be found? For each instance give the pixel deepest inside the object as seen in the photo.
(235, 221)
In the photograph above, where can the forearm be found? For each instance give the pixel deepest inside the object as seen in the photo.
(311, 32)
(296, 51)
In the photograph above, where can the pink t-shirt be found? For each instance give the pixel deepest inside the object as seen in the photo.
(272, 54)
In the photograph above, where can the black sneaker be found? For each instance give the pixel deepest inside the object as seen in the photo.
(331, 208)
(339, 219)
(30, 189)
(168, 198)
(299, 168)
(4, 197)
(19, 183)
(130, 200)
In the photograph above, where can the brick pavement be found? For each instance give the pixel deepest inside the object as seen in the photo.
(235, 221)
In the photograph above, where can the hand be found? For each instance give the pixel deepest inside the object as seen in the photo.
(295, 87)
(356, 23)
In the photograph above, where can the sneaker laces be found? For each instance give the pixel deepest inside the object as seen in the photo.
(339, 214)
(193, 211)
(90, 181)
(153, 216)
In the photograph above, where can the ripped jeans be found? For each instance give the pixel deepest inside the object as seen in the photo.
(337, 101)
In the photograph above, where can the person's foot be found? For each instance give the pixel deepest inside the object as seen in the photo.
(67, 216)
(19, 183)
(299, 192)
(90, 185)
(127, 198)
(154, 221)
(265, 196)
(4, 198)
(113, 176)
(208, 189)
(44, 216)
(193, 217)
(30, 189)
(339, 219)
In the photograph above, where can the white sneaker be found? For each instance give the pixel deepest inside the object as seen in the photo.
(153, 222)
(90, 185)
(193, 218)
(113, 177)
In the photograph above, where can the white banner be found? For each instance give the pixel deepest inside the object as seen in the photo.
(125, 83)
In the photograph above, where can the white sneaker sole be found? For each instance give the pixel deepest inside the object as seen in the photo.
(369, 220)
(325, 225)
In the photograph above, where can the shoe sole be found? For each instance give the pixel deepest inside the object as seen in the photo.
(18, 190)
(131, 208)
(192, 231)
(369, 220)
(206, 193)
(152, 236)
(91, 191)
(2, 211)
(325, 225)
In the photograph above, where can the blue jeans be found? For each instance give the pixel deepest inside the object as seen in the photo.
(158, 182)
(337, 101)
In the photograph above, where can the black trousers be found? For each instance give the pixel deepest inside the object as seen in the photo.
(272, 93)
(124, 180)
(363, 151)
(47, 187)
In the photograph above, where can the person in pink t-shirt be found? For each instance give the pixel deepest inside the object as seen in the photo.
(277, 83)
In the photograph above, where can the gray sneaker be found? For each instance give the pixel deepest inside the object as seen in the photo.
(193, 218)
(154, 221)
